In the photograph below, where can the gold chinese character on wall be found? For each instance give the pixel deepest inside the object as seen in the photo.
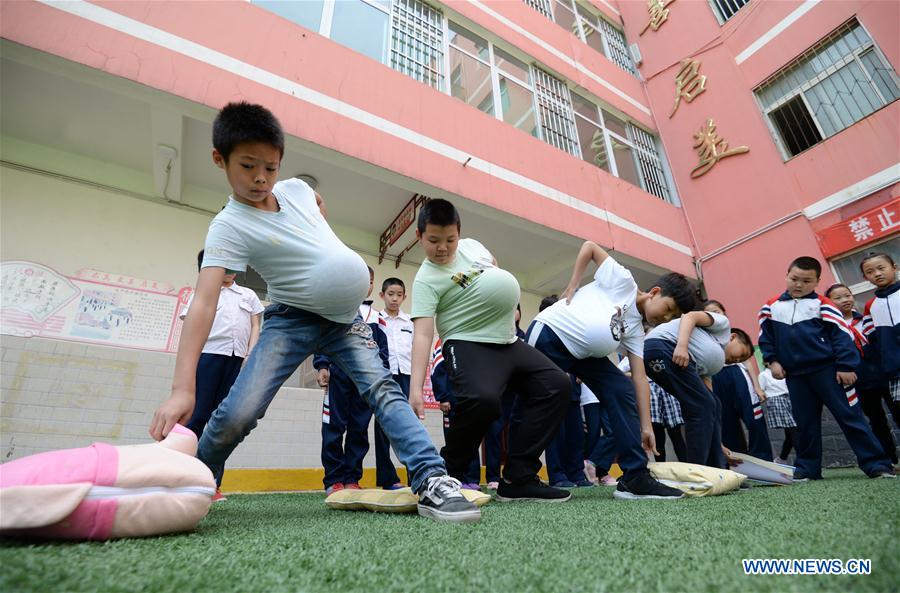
(711, 148)
(658, 14)
(689, 83)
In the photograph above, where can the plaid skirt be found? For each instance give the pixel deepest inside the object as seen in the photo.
(895, 390)
(778, 412)
(664, 408)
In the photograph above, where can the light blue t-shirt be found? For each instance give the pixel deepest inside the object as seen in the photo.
(706, 345)
(303, 262)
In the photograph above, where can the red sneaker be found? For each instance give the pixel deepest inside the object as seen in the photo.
(218, 496)
(352, 486)
(336, 487)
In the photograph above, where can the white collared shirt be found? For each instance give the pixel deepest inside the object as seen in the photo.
(230, 332)
(399, 332)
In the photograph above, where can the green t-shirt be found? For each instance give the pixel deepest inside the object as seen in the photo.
(471, 298)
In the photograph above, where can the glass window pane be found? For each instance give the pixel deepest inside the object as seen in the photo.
(361, 27)
(468, 41)
(625, 162)
(470, 81)
(881, 74)
(307, 13)
(842, 99)
(564, 17)
(593, 147)
(593, 38)
(614, 124)
(585, 108)
(847, 268)
(518, 106)
(512, 66)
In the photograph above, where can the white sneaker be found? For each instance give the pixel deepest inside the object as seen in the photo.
(441, 500)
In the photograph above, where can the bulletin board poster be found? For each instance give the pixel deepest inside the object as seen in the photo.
(92, 306)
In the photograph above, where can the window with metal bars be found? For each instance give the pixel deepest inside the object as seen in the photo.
(836, 83)
(588, 26)
(555, 112)
(417, 41)
(621, 148)
(725, 9)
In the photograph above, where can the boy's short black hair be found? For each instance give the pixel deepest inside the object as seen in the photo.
(200, 260)
(438, 212)
(718, 304)
(743, 337)
(547, 301)
(835, 287)
(807, 263)
(245, 122)
(872, 255)
(392, 282)
(679, 289)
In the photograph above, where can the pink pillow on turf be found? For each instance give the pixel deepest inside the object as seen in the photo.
(105, 492)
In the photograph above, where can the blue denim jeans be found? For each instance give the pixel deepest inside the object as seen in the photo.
(288, 337)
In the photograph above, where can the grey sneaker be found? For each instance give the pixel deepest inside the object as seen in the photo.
(441, 500)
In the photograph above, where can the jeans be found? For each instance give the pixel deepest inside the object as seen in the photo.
(288, 337)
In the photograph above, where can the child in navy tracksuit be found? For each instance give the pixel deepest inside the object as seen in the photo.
(803, 337)
(740, 403)
(443, 393)
(345, 411)
(871, 384)
(882, 317)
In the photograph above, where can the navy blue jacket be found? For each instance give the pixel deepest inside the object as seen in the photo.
(881, 327)
(806, 335)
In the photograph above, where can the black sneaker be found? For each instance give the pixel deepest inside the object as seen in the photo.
(884, 475)
(441, 500)
(644, 487)
(533, 491)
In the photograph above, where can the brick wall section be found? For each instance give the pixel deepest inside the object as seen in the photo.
(57, 394)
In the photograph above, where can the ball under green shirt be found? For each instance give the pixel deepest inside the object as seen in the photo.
(471, 299)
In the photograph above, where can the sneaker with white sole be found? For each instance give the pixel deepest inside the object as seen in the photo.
(644, 487)
(532, 491)
(441, 500)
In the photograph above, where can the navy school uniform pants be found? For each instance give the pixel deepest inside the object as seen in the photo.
(700, 408)
(613, 389)
(385, 472)
(345, 413)
(599, 445)
(809, 392)
(565, 453)
(731, 387)
(216, 374)
(871, 397)
(472, 474)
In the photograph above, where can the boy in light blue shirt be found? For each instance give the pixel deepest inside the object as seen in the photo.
(280, 230)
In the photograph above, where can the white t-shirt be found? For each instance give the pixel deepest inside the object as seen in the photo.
(303, 262)
(602, 318)
(706, 346)
(399, 332)
(587, 396)
(772, 386)
(230, 332)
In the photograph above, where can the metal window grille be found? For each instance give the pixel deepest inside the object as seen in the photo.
(649, 163)
(618, 48)
(542, 6)
(556, 115)
(417, 41)
(836, 83)
(728, 8)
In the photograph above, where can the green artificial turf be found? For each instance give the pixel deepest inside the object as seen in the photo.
(292, 542)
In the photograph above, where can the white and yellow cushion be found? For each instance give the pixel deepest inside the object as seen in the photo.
(389, 501)
(696, 480)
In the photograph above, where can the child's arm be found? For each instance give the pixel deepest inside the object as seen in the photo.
(590, 251)
(254, 333)
(689, 321)
(178, 408)
(767, 343)
(423, 336)
(753, 371)
(642, 391)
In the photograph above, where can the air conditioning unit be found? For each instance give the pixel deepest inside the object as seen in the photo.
(636, 56)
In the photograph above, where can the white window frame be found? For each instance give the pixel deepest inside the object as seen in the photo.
(714, 6)
(442, 74)
(496, 71)
(806, 86)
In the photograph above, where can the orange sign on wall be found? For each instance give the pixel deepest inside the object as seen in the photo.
(868, 227)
